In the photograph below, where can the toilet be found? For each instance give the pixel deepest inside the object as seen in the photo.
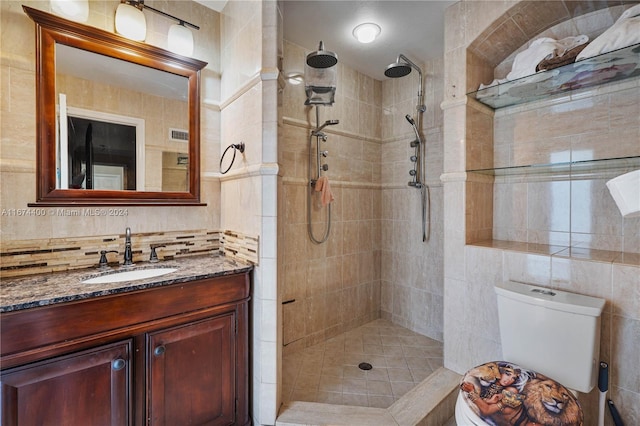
(550, 346)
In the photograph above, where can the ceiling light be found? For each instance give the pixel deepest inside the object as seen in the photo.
(130, 22)
(367, 32)
(180, 39)
(76, 10)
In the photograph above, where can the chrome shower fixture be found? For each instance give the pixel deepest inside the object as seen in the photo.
(322, 58)
(315, 172)
(326, 123)
(320, 76)
(415, 129)
(402, 67)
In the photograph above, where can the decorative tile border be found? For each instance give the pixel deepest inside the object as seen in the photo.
(240, 246)
(27, 257)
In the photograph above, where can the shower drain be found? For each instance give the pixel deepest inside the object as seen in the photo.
(365, 366)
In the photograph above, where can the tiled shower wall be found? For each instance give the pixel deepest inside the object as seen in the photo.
(335, 286)
(535, 213)
(374, 262)
(412, 269)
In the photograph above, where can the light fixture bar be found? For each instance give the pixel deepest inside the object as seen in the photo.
(140, 5)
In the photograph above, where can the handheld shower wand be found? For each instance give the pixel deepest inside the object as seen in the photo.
(415, 129)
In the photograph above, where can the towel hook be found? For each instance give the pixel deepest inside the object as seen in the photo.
(236, 147)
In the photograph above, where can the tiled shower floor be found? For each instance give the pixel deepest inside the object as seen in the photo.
(328, 372)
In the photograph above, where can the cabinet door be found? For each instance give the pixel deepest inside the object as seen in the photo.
(86, 388)
(192, 373)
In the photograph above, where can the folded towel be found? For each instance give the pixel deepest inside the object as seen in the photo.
(322, 185)
(525, 62)
(624, 32)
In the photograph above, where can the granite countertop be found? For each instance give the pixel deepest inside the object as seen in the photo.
(59, 287)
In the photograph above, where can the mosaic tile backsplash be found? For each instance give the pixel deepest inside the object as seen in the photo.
(26, 257)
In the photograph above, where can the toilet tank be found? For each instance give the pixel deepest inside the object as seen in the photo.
(553, 332)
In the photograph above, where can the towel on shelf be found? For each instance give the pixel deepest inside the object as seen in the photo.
(322, 185)
(624, 32)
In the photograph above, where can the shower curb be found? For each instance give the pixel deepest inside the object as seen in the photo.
(430, 403)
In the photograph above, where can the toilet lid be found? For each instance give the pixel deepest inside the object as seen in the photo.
(504, 393)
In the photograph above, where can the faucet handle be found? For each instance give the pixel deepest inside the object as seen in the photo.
(153, 257)
(104, 263)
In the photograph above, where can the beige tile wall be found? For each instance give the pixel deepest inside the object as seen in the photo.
(536, 214)
(375, 259)
(412, 270)
(331, 287)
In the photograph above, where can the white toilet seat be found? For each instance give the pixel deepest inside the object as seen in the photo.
(500, 392)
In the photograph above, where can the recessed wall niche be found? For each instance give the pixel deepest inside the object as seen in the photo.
(553, 209)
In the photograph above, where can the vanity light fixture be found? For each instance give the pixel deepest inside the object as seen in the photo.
(130, 21)
(133, 25)
(180, 39)
(367, 32)
(76, 10)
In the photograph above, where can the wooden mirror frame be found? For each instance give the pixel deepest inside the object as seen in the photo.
(51, 29)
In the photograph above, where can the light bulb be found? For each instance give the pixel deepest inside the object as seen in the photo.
(367, 32)
(180, 40)
(130, 22)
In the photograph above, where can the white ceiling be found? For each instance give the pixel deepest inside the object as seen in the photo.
(413, 28)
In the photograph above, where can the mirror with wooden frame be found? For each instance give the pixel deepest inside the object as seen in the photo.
(118, 121)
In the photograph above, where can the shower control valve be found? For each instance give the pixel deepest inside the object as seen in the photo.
(324, 137)
(413, 158)
(324, 153)
(325, 167)
(412, 172)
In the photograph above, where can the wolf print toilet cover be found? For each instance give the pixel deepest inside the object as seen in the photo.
(502, 393)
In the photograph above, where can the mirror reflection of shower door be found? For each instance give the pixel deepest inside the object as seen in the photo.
(114, 146)
(93, 140)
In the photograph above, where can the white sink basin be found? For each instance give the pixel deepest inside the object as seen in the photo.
(132, 275)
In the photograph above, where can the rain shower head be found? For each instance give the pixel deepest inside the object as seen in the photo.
(401, 67)
(397, 69)
(322, 58)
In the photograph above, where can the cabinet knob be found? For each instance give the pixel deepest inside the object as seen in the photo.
(118, 364)
(159, 350)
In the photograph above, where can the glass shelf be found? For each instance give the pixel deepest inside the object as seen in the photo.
(609, 67)
(573, 167)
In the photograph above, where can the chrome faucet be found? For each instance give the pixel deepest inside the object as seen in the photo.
(128, 253)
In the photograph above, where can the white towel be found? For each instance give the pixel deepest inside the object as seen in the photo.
(624, 32)
(525, 62)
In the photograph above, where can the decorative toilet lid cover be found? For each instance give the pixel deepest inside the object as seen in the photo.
(503, 393)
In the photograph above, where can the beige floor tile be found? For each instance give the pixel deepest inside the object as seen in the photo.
(328, 372)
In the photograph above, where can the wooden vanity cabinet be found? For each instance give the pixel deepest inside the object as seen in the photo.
(172, 355)
(89, 387)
